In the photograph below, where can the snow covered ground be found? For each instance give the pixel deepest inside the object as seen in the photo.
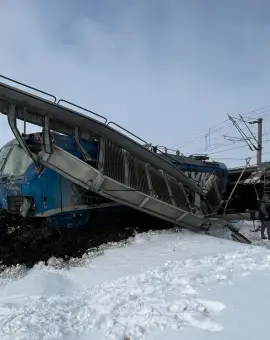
(161, 286)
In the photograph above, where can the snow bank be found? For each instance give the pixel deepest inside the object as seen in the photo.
(157, 285)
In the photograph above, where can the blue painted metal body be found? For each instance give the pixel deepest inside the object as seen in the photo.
(200, 170)
(63, 203)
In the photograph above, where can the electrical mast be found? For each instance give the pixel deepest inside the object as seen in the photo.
(259, 151)
(249, 140)
(259, 140)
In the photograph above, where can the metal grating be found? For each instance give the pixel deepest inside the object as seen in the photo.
(160, 189)
(178, 194)
(129, 170)
(137, 177)
(113, 165)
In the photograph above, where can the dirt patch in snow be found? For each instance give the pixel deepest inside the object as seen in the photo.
(33, 242)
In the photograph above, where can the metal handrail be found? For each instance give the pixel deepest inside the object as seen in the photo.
(30, 87)
(82, 108)
(142, 140)
(132, 134)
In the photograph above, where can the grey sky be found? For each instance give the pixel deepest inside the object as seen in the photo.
(165, 69)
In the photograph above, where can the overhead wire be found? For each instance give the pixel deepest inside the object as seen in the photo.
(224, 145)
(221, 126)
(228, 142)
(233, 148)
(240, 159)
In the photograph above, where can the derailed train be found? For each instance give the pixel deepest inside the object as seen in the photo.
(92, 178)
(27, 190)
(82, 166)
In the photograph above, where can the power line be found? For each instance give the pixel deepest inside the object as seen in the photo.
(214, 132)
(241, 159)
(222, 146)
(230, 158)
(234, 148)
(200, 135)
(228, 143)
(245, 137)
(257, 112)
(237, 147)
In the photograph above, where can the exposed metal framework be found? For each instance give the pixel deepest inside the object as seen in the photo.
(127, 172)
(64, 120)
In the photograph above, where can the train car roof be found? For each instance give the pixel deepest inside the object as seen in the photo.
(191, 160)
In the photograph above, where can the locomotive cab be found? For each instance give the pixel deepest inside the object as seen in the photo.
(26, 190)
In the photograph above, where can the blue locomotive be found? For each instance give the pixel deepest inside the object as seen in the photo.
(28, 191)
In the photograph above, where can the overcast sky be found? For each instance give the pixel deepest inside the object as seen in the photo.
(165, 69)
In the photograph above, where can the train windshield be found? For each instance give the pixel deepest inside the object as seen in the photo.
(14, 161)
(3, 155)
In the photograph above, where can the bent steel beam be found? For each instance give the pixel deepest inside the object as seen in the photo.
(63, 120)
(46, 136)
(12, 121)
(92, 179)
(77, 141)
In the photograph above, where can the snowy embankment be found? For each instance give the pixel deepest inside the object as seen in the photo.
(163, 285)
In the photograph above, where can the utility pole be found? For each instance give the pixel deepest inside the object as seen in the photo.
(249, 140)
(259, 140)
(259, 148)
